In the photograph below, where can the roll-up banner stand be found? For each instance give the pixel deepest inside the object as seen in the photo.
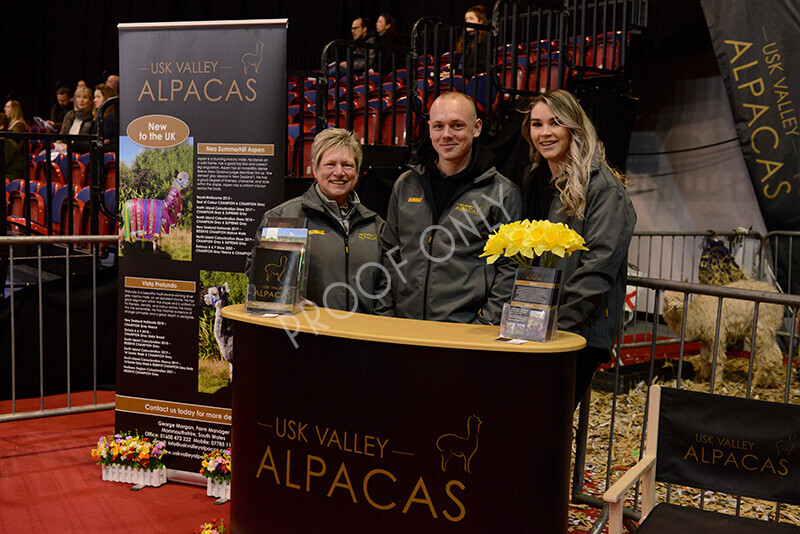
(202, 149)
(756, 48)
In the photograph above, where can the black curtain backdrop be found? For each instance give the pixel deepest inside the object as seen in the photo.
(48, 45)
(64, 42)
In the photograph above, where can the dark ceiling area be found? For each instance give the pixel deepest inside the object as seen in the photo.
(71, 41)
(67, 42)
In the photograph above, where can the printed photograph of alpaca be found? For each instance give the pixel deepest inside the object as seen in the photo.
(463, 447)
(149, 218)
(156, 200)
(736, 324)
(217, 298)
(215, 342)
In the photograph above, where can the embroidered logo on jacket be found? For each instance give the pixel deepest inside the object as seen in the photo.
(367, 235)
(415, 199)
(468, 208)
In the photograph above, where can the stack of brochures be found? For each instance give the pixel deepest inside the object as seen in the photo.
(278, 268)
(532, 313)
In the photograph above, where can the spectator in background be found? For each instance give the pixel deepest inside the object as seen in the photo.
(113, 82)
(387, 35)
(471, 62)
(13, 155)
(80, 120)
(16, 120)
(359, 29)
(387, 30)
(81, 83)
(102, 93)
(59, 109)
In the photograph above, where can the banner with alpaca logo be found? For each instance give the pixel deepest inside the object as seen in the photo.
(202, 155)
(756, 48)
(739, 446)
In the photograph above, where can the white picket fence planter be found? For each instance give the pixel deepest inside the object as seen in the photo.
(128, 475)
(221, 490)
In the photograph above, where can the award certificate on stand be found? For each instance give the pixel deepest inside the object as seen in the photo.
(532, 313)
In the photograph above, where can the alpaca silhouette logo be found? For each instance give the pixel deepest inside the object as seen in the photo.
(276, 269)
(464, 447)
(785, 446)
(253, 60)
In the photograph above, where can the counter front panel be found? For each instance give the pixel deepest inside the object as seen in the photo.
(378, 424)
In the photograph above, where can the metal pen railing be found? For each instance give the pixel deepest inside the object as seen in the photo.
(791, 304)
(50, 248)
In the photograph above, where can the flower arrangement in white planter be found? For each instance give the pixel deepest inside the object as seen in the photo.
(129, 458)
(217, 470)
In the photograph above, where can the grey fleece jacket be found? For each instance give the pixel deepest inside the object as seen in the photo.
(337, 250)
(593, 287)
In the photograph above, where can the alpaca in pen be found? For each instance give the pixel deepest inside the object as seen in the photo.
(736, 324)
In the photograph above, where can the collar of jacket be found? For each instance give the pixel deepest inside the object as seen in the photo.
(313, 201)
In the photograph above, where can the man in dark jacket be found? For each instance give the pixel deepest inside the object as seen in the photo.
(440, 213)
(59, 109)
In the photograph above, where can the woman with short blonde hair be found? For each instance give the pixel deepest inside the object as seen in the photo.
(344, 253)
(336, 138)
(80, 119)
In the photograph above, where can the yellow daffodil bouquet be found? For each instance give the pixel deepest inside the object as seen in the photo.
(522, 241)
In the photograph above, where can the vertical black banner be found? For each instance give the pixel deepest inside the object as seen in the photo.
(756, 47)
(201, 157)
